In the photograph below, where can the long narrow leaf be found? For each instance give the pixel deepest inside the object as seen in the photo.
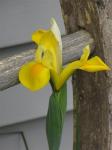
(55, 117)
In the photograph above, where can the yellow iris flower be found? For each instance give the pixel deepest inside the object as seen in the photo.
(48, 61)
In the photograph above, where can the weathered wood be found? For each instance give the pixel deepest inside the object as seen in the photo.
(93, 90)
(72, 49)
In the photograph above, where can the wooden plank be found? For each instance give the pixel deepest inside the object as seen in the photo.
(72, 49)
(92, 92)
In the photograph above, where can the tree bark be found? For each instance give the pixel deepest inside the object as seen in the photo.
(92, 92)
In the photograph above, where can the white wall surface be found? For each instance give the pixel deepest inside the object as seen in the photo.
(17, 104)
(11, 142)
(19, 18)
(35, 135)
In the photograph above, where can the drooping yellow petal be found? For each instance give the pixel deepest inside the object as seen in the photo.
(59, 79)
(94, 64)
(48, 52)
(86, 53)
(34, 76)
(37, 35)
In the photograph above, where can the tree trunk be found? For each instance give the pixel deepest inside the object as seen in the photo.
(92, 92)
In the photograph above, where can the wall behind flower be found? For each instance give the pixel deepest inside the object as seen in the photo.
(18, 18)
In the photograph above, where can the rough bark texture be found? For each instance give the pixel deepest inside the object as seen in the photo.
(93, 91)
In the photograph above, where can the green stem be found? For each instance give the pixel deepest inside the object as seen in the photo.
(55, 117)
(52, 86)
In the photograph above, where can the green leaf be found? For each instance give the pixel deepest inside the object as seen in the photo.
(55, 117)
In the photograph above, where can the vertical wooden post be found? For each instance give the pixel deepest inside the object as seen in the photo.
(93, 91)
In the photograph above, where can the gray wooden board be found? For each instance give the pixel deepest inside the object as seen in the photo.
(73, 45)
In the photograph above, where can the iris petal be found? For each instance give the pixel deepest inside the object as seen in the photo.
(59, 79)
(86, 53)
(37, 35)
(56, 32)
(49, 46)
(94, 64)
(49, 51)
(34, 76)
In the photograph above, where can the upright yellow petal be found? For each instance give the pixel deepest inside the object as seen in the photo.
(94, 64)
(86, 53)
(37, 35)
(56, 31)
(48, 52)
(34, 76)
